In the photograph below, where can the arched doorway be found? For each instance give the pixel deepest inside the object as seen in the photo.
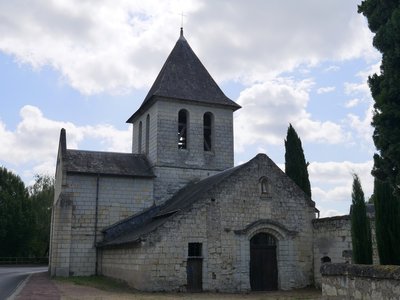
(263, 264)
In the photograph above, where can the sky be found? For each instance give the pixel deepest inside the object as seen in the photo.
(87, 65)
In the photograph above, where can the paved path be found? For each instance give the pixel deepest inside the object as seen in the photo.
(11, 277)
(39, 286)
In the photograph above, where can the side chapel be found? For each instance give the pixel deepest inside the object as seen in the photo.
(175, 214)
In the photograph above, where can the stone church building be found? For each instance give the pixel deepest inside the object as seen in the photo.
(175, 214)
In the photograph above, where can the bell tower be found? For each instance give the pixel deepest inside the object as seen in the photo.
(185, 123)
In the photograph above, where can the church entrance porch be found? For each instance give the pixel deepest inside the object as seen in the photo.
(263, 263)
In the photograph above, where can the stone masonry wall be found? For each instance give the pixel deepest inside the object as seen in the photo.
(163, 137)
(118, 198)
(224, 220)
(168, 154)
(175, 167)
(369, 282)
(332, 238)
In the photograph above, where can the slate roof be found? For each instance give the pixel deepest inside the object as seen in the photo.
(107, 163)
(135, 228)
(184, 77)
(104, 163)
(132, 229)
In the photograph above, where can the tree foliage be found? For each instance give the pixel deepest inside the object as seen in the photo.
(384, 20)
(387, 211)
(295, 162)
(24, 215)
(360, 227)
(15, 215)
(41, 196)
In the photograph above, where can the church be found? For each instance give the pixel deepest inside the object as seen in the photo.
(176, 214)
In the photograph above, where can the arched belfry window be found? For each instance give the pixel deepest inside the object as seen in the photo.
(147, 134)
(140, 138)
(183, 118)
(208, 131)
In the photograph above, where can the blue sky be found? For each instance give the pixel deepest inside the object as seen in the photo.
(87, 66)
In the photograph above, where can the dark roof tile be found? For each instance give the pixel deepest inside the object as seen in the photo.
(108, 163)
(134, 228)
(184, 77)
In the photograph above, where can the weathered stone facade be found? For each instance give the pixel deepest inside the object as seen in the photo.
(344, 281)
(332, 241)
(224, 220)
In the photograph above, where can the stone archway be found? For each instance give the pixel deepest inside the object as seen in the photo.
(263, 262)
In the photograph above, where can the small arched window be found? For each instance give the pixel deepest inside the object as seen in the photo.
(182, 129)
(140, 138)
(147, 134)
(264, 186)
(208, 131)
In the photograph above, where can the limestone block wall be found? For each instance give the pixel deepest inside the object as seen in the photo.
(346, 281)
(223, 220)
(153, 113)
(56, 219)
(118, 198)
(60, 236)
(169, 180)
(164, 136)
(332, 238)
(284, 212)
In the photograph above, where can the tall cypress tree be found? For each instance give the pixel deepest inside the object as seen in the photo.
(360, 227)
(295, 162)
(387, 211)
(384, 21)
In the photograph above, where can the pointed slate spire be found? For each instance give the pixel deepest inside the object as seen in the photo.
(184, 77)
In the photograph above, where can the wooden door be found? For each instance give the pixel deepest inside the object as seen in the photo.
(194, 274)
(263, 264)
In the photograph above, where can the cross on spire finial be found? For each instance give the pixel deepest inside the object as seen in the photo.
(182, 15)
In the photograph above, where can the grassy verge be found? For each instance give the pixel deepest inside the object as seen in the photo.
(99, 282)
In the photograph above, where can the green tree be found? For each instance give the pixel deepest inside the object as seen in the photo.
(384, 21)
(387, 222)
(41, 195)
(15, 215)
(360, 227)
(295, 162)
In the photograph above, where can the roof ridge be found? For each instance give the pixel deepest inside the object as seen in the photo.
(183, 76)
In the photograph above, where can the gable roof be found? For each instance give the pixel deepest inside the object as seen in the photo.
(133, 228)
(107, 163)
(184, 77)
(104, 163)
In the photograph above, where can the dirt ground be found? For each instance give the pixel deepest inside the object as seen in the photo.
(72, 291)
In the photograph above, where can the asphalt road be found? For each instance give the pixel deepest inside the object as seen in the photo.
(12, 276)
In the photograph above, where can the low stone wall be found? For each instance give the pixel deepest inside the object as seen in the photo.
(348, 281)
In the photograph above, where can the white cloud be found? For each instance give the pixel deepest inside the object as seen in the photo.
(35, 140)
(352, 88)
(332, 183)
(332, 69)
(363, 126)
(352, 103)
(269, 107)
(115, 46)
(325, 90)
(330, 213)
